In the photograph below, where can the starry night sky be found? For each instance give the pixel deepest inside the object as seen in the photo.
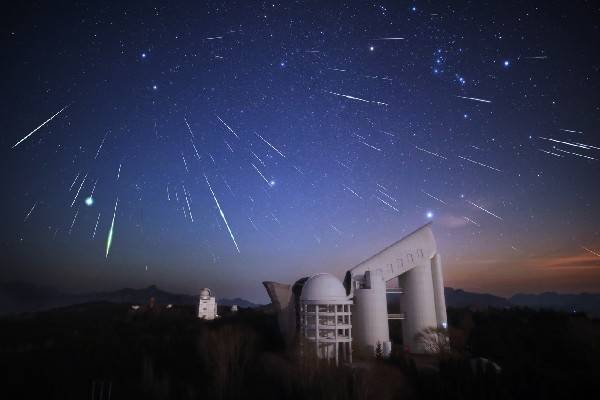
(326, 130)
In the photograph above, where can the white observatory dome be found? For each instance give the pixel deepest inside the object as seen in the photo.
(205, 293)
(323, 289)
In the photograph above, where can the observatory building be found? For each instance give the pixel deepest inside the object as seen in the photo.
(207, 306)
(333, 317)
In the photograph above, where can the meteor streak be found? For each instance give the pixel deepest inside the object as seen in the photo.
(195, 149)
(258, 158)
(549, 152)
(270, 145)
(368, 145)
(119, 172)
(574, 144)
(569, 130)
(74, 219)
(188, 203)
(387, 195)
(390, 38)
(78, 190)
(188, 126)
(475, 99)
(101, 144)
(429, 152)
(590, 251)
(227, 126)
(74, 180)
(30, 211)
(356, 98)
(351, 191)
(112, 227)
(387, 204)
(483, 209)
(261, 175)
(44, 123)
(575, 154)
(185, 163)
(96, 226)
(222, 214)
(433, 197)
(478, 163)
(94, 188)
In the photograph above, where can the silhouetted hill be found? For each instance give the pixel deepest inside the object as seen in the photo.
(18, 297)
(582, 302)
(459, 298)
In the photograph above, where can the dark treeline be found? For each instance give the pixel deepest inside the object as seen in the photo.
(101, 351)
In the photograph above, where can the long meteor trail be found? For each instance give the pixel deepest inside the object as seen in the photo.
(270, 145)
(590, 251)
(44, 123)
(30, 211)
(433, 197)
(74, 180)
(478, 163)
(101, 144)
(356, 98)
(430, 152)
(484, 210)
(261, 175)
(222, 214)
(79, 190)
(73, 223)
(475, 99)
(111, 230)
(96, 226)
(228, 127)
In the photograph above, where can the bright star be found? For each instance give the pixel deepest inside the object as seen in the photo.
(372, 48)
(271, 183)
(89, 201)
(154, 87)
(506, 63)
(143, 55)
(429, 214)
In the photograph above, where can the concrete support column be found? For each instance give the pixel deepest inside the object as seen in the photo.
(370, 316)
(438, 291)
(418, 304)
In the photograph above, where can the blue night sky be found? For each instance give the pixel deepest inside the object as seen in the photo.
(326, 131)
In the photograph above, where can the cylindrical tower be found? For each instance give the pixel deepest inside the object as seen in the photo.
(371, 315)
(418, 304)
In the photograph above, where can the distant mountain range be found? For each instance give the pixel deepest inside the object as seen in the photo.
(588, 303)
(23, 297)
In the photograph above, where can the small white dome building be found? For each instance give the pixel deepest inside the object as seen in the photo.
(207, 306)
(325, 317)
